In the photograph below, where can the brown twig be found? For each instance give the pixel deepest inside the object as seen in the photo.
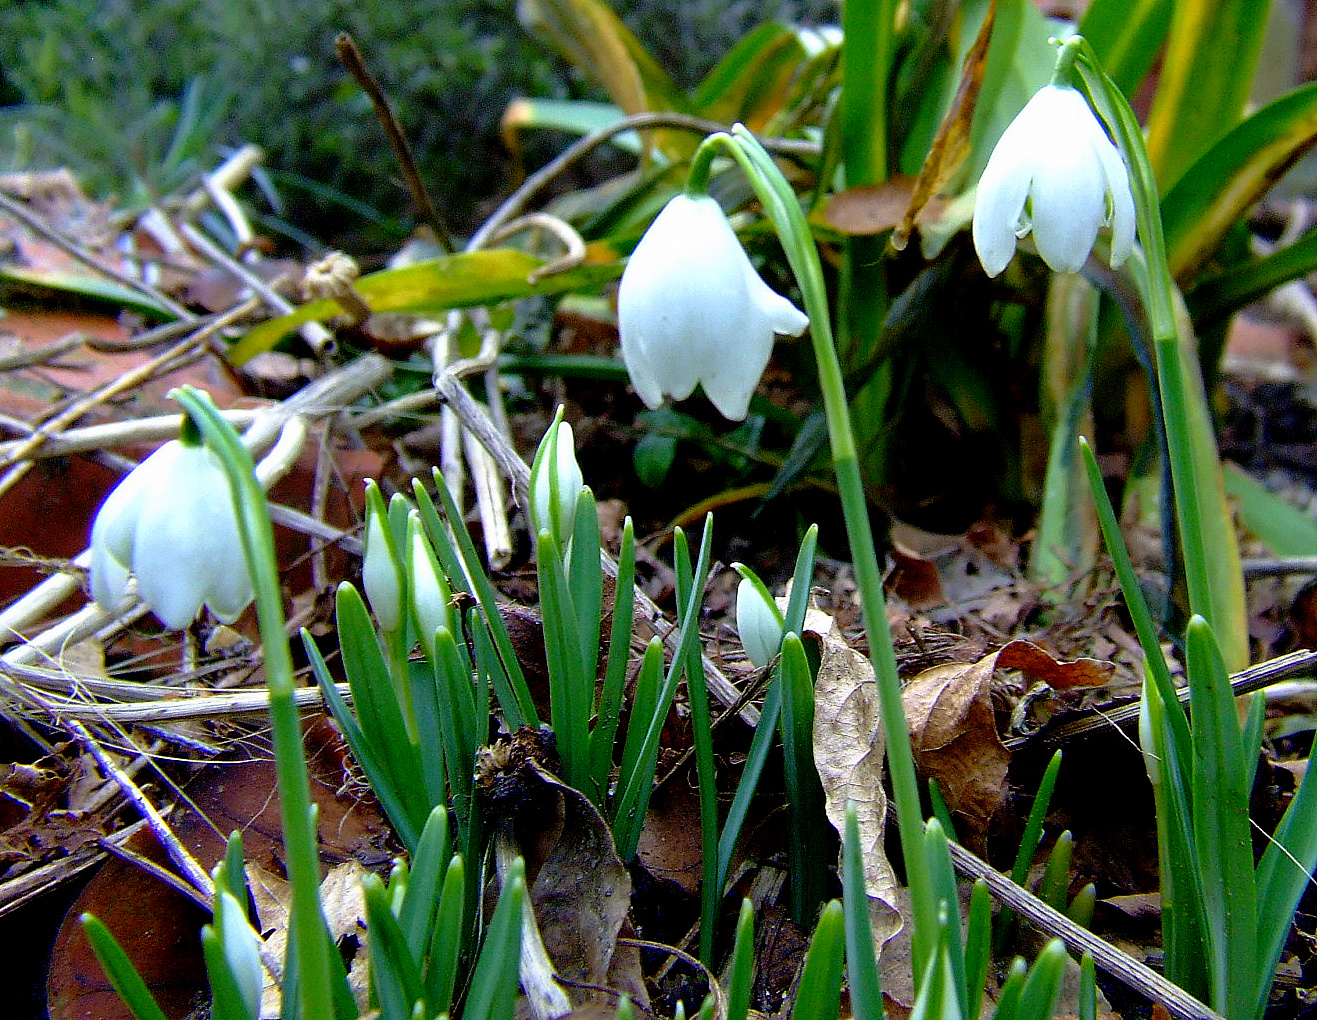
(356, 65)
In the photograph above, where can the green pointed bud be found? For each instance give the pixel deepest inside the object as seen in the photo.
(758, 620)
(555, 483)
(241, 950)
(431, 597)
(381, 572)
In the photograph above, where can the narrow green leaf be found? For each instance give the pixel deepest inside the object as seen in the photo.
(376, 705)
(585, 581)
(1206, 71)
(1154, 660)
(447, 939)
(636, 785)
(952, 951)
(702, 737)
(1216, 297)
(1216, 193)
(861, 953)
(403, 806)
(464, 280)
(1221, 823)
(393, 970)
(1087, 988)
(805, 846)
(1283, 876)
(494, 982)
(226, 1002)
(480, 586)
(636, 772)
(429, 861)
(741, 982)
(120, 970)
(761, 745)
(1285, 530)
(818, 997)
(603, 737)
(978, 946)
(562, 652)
(1042, 987)
(1126, 35)
(1055, 891)
(1008, 999)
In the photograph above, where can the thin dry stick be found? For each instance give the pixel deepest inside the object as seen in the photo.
(169, 359)
(126, 381)
(356, 65)
(516, 203)
(1116, 963)
(66, 244)
(178, 853)
(451, 391)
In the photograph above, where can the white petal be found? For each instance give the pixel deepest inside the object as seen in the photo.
(999, 204)
(1122, 221)
(171, 573)
(116, 520)
(757, 624)
(1069, 205)
(109, 578)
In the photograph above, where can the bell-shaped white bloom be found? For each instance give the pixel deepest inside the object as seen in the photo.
(691, 309)
(555, 484)
(1056, 174)
(241, 947)
(758, 622)
(171, 523)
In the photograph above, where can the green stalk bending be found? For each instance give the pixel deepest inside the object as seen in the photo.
(315, 991)
(1215, 581)
(783, 209)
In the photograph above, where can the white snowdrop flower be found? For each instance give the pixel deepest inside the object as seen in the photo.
(759, 624)
(555, 485)
(171, 523)
(1054, 173)
(691, 309)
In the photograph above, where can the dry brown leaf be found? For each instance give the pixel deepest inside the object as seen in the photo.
(954, 733)
(1039, 665)
(951, 144)
(581, 892)
(848, 752)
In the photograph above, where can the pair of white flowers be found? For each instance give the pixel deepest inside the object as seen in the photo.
(692, 310)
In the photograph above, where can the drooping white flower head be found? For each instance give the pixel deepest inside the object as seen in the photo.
(758, 623)
(691, 309)
(171, 523)
(1055, 173)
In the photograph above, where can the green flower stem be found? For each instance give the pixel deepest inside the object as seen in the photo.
(783, 209)
(315, 986)
(1214, 581)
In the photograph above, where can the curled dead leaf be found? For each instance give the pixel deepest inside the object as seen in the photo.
(954, 733)
(848, 753)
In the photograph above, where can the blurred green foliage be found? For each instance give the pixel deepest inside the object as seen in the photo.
(135, 97)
